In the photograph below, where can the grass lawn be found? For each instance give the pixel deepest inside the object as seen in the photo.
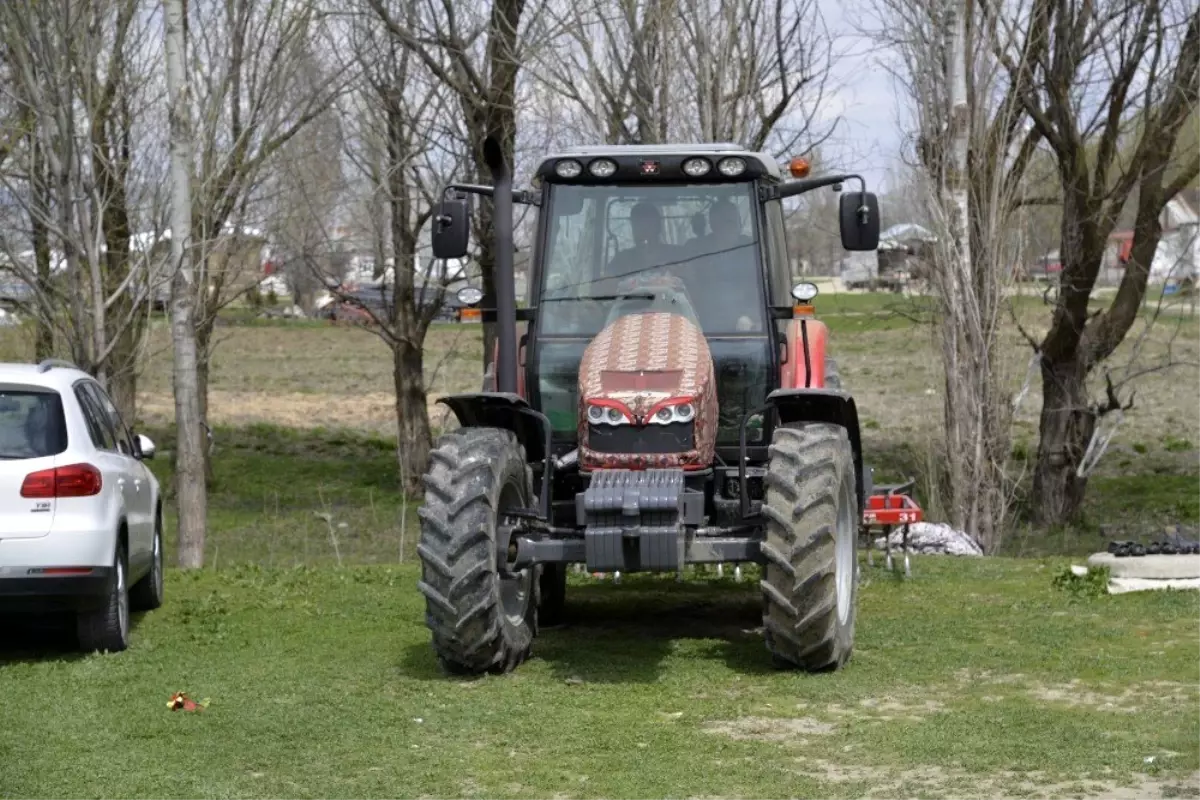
(974, 679)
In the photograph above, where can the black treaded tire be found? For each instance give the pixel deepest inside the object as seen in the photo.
(106, 627)
(809, 581)
(833, 376)
(147, 594)
(479, 622)
(554, 594)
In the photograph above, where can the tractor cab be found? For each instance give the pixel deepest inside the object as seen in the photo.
(696, 244)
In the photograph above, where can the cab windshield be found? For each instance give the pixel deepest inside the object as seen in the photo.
(612, 250)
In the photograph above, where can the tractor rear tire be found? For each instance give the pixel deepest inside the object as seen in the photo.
(833, 377)
(809, 581)
(480, 620)
(554, 594)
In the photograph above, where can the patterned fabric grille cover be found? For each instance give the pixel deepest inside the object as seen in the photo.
(670, 349)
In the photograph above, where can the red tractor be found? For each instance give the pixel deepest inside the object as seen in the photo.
(669, 402)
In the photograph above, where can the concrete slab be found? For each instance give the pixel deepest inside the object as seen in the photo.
(1159, 567)
(1125, 585)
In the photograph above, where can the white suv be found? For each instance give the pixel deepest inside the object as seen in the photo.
(80, 514)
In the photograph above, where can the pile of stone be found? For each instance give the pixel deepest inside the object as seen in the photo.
(932, 538)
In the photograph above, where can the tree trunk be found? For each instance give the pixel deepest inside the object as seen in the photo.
(192, 491)
(412, 415)
(203, 359)
(1066, 428)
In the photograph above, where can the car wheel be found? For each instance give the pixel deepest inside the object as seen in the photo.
(107, 628)
(147, 594)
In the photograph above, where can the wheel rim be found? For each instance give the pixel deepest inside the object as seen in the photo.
(122, 600)
(844, 562)
(515, 591)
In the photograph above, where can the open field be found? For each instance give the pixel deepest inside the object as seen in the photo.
(326, 393)
(974, 680)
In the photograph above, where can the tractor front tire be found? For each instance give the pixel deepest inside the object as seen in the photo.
(811, 547)
(481, 619)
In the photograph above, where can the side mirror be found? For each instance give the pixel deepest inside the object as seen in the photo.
(145, 447)
(451, 229)
(858, 214)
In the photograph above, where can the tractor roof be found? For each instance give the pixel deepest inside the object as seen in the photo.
(714, 150)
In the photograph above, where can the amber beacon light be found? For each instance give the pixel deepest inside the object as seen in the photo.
(799, 167)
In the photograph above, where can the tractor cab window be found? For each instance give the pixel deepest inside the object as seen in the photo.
(613, 250)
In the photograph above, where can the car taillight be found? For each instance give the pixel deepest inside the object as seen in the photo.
(76, 480)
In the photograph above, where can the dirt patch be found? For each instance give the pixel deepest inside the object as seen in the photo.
(770, 729)
(372, 411)
(926, 779)
(1128, 701)
(876, 709)
(977, 677)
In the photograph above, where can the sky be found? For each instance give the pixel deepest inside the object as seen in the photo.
(868, 138)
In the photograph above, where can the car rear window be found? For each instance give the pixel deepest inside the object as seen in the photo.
(31, 423)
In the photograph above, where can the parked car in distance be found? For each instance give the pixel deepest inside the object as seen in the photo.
(80, 512)
(353, 305)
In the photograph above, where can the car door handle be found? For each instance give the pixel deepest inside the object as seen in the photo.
(137, 485)
(120, 483)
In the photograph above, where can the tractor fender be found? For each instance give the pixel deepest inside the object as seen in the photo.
(798, 372)
(507, 411)
(823, 405)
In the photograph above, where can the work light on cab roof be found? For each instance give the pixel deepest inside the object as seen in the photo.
(651, 411)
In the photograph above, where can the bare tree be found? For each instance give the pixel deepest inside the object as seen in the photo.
(753, 72)
(1109, 86)
(258, 83)
(973, 151)
(404, 149)
(476, 53)
(79, 77)
(190, 485)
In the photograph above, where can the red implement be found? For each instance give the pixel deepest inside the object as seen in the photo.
(888, 508)
(891, 509)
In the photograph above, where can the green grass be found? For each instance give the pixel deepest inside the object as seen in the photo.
(287, 497)
(322, 684)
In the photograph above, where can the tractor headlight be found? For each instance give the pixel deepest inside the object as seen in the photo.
(683, 411)
(731, 167)
(603, 168)
(696, 167)
(606, 415)
(568, 168)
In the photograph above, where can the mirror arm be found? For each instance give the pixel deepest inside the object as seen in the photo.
(793, 188)
(522, 196)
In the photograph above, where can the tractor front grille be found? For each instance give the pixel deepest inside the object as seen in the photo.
(678, 437)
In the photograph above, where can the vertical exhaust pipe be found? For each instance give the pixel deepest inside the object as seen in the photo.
(505, 281)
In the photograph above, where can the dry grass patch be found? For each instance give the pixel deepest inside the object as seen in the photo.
(928, 780)
(770, 729)
(874, 709)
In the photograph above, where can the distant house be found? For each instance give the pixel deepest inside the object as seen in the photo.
(1178, 253)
